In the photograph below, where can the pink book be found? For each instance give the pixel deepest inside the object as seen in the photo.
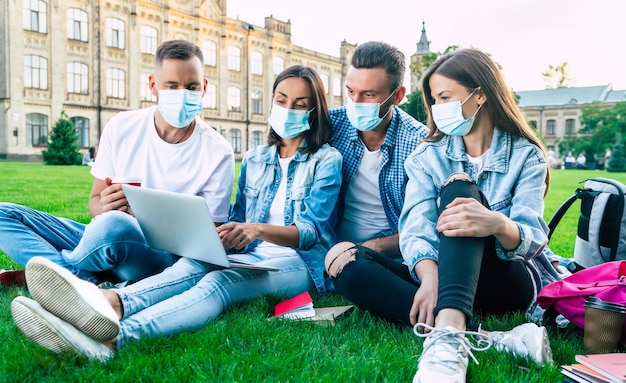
(300, 306)
(612, 365)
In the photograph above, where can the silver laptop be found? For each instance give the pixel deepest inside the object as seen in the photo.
(180, 224)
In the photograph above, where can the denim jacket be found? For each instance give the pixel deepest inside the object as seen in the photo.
(313, 182)
(512, 180)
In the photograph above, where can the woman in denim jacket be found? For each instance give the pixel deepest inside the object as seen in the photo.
(472, 230)
(279, 220)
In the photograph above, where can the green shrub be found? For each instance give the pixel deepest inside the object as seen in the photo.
(62, 148)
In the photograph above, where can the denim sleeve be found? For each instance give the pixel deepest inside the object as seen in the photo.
(313, 220)
(419, 238)
(527, 211)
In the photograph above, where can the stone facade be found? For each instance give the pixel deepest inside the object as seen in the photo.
(91, 60)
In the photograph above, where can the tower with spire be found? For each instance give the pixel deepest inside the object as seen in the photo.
(423, 48)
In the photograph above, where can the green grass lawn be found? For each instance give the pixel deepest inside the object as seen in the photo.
(242, 345)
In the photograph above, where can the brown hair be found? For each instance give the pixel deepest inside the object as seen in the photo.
(472, 69)
(319, 119)
(178, 49)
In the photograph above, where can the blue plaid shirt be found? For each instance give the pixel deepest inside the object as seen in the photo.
(403, 135)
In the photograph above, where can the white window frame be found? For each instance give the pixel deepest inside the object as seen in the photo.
(35, 72)
(234, 99)
(234, 58)
(256, 63)
(209, 101)
(35, 16)
(77, 22)
(116, 83)
(115, 33)
(77, 77)
(209, 51)
(149, 39)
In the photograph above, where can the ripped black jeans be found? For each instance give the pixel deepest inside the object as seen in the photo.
(471, 276)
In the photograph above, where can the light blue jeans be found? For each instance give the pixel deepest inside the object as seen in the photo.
(190, 294)
(110, 242)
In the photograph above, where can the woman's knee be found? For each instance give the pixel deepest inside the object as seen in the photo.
(338, 257)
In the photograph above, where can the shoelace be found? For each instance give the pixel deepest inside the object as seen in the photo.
(481, 342)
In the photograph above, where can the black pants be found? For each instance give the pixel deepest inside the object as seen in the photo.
(471, 276)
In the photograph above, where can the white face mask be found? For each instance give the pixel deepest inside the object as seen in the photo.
(364, 115)
(449, 117)
(179, 107)
(289, 123)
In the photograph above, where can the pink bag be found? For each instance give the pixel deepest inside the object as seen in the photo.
(606, 281)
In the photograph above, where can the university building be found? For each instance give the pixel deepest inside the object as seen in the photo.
(91, 59)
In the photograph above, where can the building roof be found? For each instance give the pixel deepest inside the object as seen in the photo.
(572, 95)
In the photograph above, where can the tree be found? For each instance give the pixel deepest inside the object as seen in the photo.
(602, 127)
(617, 163)
(558, 76)
(63, 147)
(415, 106)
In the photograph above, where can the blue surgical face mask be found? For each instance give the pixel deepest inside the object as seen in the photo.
(289, 123)
(179, 107)
(365, 115)
(449, 117)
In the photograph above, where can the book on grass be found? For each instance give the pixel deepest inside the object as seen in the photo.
(611, 365)
(301, 307)
(581, 374)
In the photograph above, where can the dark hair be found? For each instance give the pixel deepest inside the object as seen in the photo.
(319, 119)
(178, 49)
(376, 54)
(472, 69)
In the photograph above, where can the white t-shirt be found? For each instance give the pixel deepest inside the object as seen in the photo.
(479, 161)
(202, 165)
(277, 216)
(364, 215)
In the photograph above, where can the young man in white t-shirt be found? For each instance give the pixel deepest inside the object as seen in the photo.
(167, 146)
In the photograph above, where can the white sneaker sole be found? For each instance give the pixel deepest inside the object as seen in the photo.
(75, 301)
(539, 344)
(52, 333)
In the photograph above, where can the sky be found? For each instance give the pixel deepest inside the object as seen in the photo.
(523, 36)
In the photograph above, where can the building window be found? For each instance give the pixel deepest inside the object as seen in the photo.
(146, 93)
(209, 100)
(550, 127)
(115, 33)
(77, 78)
(324, 82)
(35, 72)
(36, 129)
(76, 24)
(336, 86)
(148, 40)
(235, 140)
(257, 138)
(234, 99)
(257, 102)
(81, 124)
(209, 51)
(279, 65)
(35, 16)
(234, 58)
(533, 124)
(115, 83)
(570, 123)
(256, 63)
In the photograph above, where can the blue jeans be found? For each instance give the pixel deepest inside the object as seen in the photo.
(190, 294)
(111, 242)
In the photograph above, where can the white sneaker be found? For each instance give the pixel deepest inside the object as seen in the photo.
(68, 297)
(53, 333)
(526, 340)
(445, 355)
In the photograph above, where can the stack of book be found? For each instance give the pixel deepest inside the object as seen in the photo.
(301, 307)
(597, 368)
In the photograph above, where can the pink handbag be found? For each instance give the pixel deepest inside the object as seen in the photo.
(606, 281)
